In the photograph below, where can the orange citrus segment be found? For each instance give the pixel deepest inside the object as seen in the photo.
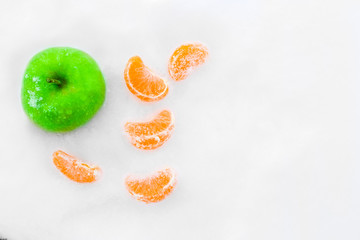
(142, 82)
(152, 188)
(185, 59)
(75, 169)
(152, 134)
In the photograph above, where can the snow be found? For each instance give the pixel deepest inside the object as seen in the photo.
(265, 144)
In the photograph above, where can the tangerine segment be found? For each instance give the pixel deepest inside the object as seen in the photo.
(151, 134)
(185, 59)
(75, 169)
(142, 82)
(152, 188)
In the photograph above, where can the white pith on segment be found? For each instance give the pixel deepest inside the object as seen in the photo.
(137, 140)
(130, 180)
(130, 85)
(182, 74)
(72, 166)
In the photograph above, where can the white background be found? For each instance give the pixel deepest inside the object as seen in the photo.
(265, 137)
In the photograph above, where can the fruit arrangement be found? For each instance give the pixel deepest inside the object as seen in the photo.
(63, 88)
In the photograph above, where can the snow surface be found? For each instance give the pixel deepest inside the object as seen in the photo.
(264, 145)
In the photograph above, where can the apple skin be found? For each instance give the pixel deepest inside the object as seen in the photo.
(62, 89)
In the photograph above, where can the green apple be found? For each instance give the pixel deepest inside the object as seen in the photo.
(62, 89)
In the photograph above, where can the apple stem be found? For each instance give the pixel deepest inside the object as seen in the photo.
(55, 81)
